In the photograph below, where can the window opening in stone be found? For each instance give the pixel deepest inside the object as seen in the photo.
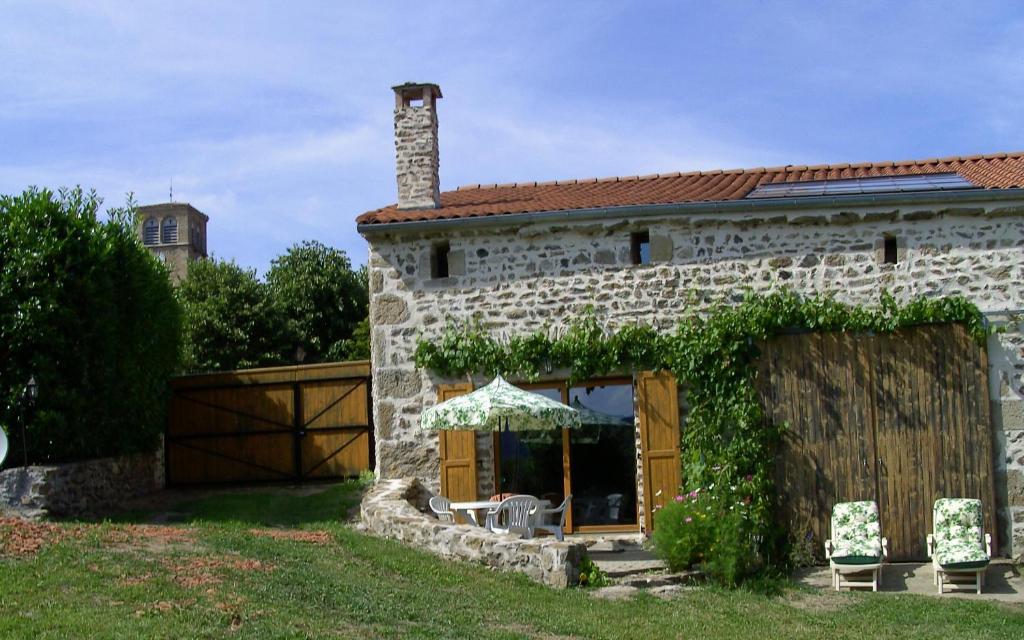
(169, 231)
(150, 231)
(889, 253)
(640, 247)
(439, 260)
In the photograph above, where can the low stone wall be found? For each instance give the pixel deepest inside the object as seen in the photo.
(75, 489)
(397, 509)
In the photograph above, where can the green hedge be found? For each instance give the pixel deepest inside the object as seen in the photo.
(91, 314)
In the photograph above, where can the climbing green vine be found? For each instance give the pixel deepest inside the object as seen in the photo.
(714, 354)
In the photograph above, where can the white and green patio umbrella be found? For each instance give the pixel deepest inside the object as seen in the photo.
(497, 406)
(594, 417)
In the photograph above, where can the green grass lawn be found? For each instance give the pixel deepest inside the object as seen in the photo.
(220, 574)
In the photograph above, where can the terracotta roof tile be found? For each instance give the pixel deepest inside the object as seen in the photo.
(991, 171)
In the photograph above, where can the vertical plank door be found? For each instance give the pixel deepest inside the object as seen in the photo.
(818, 385)
(933, 431)
(658, 402)
(458, 453)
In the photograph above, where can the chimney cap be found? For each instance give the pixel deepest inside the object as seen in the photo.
(417, 87)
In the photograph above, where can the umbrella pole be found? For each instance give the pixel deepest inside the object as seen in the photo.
(515, 467)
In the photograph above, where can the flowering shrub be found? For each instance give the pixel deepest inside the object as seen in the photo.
(716, 526)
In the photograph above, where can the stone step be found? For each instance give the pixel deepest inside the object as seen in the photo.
(654, 580)
(626, 563)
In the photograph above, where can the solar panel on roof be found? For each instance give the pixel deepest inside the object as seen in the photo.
(855, 186)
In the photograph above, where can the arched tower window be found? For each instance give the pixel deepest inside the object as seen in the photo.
(150, 231)
(169, 231)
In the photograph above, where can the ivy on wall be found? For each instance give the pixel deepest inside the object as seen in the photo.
(714, 354)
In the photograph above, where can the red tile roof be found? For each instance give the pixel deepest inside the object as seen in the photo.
(993, 171)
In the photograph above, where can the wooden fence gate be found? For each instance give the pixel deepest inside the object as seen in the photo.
(262, 425)
(902, 419)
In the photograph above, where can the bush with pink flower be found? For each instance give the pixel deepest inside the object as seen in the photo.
(716, 527)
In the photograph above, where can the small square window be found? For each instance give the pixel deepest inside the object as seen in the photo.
(439, 260)
(890, 254)
(640, 247)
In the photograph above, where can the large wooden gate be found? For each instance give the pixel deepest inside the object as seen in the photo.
(280, 424)
(900, 418)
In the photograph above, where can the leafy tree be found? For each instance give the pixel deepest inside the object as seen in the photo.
(358, 346)
(230, 320)
(326, 301)
(88, 312)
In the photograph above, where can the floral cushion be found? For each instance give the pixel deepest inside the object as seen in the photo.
(855, 530)
(957, 533)
(852, 560)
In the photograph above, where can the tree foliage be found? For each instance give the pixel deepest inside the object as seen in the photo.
(324, 298)
(312, 300)
(88, 312)
(230, 319)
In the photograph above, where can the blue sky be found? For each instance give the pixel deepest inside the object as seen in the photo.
(275, 118)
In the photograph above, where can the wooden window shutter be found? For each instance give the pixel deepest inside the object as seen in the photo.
(658, 403)
(458, 453)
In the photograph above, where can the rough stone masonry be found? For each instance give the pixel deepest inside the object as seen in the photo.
(519, 278)
(417, 157)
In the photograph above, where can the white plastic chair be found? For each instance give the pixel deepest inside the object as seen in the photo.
(514, 515)
(545, 524)
(614, 505)
(442, 508)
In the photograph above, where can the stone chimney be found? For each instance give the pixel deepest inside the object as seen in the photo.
(416, 155)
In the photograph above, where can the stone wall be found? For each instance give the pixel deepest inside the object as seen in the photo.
(1006, 360)
(518, 279)
(76, 489)
(396, 509)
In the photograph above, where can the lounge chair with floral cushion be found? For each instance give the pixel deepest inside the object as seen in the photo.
(857, 545)
(958, 545)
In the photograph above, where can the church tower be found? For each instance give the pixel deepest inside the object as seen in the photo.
(176, 234)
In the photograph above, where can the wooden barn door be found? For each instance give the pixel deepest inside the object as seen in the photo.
(902, 419)
(933, 430)
(821, 389)
(333, 429)
(458, 453)
(658, 402)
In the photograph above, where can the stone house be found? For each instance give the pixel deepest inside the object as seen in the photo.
(527, 255)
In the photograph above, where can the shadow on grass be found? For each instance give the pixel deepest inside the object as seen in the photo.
(268, 507)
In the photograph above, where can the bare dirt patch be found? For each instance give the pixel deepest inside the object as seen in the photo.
(152, 538)
(205, 571)
(531, 632)
(313, 537)
(131, 581)
(163, 606)
(25, 538)
(821, 602)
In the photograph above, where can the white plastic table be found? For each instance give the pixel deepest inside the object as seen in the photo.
(470, 510)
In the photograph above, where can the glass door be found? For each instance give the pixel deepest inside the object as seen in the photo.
(603, 456)
(595, 463)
